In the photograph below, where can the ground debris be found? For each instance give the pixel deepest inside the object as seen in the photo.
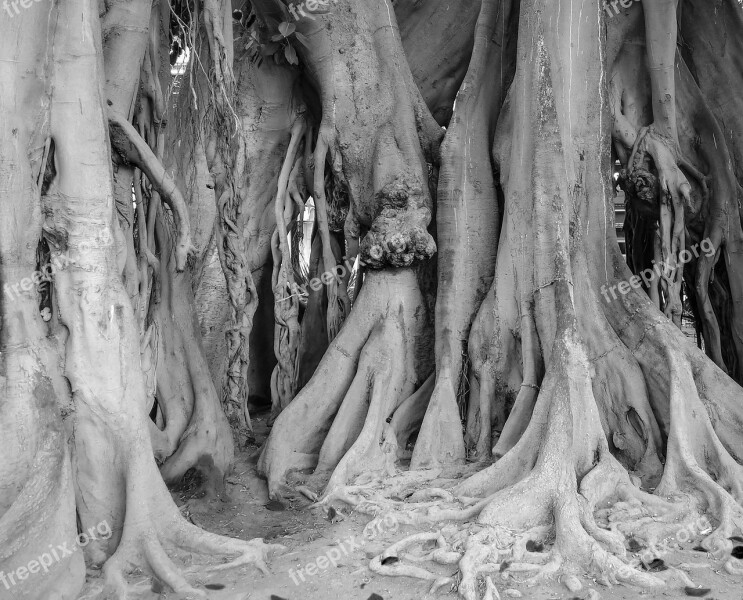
(698, 592)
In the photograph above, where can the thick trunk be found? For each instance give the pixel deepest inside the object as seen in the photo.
(37, 505)
(388, 215)
(467, 202)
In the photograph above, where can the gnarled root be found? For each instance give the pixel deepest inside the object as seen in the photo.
(154, 529)
(398, 569)
(551, 493)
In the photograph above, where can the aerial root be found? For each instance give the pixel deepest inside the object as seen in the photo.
(286, 305)
(126, 139)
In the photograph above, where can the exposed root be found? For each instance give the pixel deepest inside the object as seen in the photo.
(146, 548)
(398, 569)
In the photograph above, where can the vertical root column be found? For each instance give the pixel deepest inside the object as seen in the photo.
(286, 306)
(243, 303)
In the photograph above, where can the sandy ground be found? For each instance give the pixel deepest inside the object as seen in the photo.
(313, 540)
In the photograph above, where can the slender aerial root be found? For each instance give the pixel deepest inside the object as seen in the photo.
(127, 140)
(286, 306)
(335, 312)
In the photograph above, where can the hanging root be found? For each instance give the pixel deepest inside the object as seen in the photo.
(674, 196)
(286, 306)
(133, 148)
(335, 314)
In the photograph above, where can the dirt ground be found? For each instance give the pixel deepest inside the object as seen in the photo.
(312, 539)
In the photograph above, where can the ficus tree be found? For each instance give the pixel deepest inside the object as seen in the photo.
(464, 156)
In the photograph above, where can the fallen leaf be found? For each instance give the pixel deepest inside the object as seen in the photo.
(655, 566)
(698, 592)
(274, 505)
(634, 545)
